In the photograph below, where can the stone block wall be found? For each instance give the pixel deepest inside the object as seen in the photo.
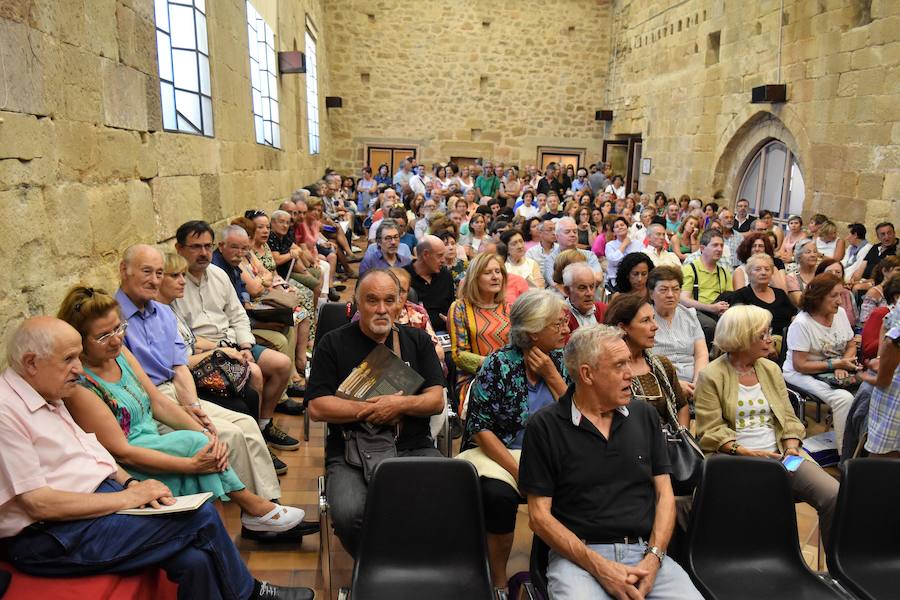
(469, 78)
(85, 166)
(681, 74)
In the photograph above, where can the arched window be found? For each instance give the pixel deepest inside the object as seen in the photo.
(773, 181)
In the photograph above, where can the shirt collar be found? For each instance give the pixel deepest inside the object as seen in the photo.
(129, 309)
(583, 314)
(23, 389)
(577, 416)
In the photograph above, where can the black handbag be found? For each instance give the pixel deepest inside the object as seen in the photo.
(685, 455)
(221, 375)
(366, 447)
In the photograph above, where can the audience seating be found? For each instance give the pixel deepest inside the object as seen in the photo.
(863, 554)
(743, 542)
(331, 316)
(424, 534)
(537, 569)
(150, 584)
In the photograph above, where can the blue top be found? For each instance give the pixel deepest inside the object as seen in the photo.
(374, 259)
(234, 274)
(153, 338)
(539, 396)
(409, 240)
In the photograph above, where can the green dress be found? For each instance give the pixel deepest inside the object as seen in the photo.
(131, 406)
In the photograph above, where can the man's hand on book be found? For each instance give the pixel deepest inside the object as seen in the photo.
(151, 493)
(382, 409)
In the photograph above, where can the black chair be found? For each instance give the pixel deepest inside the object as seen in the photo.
(743, 542)
(537, 569)
(331, 316)
(424, 533)
(863, 554)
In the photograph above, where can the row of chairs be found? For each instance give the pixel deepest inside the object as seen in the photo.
(424, 535)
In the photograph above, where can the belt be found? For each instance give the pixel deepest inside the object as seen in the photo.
(616, 540)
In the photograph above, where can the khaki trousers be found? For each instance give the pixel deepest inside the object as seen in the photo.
(248, 454)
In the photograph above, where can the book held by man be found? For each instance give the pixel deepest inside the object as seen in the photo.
(381, 373)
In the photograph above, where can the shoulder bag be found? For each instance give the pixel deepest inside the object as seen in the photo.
(221, 375)
(366, 445)
(685, 454)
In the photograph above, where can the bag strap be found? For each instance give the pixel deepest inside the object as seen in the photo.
(660, 371)
(696, 288)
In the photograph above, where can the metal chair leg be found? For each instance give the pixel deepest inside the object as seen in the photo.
(324, 539)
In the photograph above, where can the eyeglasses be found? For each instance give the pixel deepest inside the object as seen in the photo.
(118, 331)
(559, 325)
(199, 247)
(765, 335)
(390, 238)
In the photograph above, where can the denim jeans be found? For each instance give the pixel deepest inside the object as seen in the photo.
(346, 490)
(193, 548)
(568, 581)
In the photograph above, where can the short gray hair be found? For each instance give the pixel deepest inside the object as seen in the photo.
(563, 221)
(386, 224)
(234, 230)
(28, 339)
(530, 313)
(277, 214)
(587, 344)
(573, 269)
(301, 194)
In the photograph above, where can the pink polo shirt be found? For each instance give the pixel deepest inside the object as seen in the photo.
(41, 446)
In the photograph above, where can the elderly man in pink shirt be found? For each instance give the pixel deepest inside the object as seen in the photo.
(60, 489)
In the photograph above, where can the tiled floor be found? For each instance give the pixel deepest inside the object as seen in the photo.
(299, 566)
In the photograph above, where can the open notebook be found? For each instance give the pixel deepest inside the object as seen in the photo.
(182, 504)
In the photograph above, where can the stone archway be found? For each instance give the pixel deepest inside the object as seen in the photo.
(748, 132)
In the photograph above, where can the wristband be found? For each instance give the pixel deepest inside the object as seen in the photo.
(830, 365)
(128, 482)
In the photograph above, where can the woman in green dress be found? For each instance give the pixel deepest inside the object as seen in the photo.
(120, 405)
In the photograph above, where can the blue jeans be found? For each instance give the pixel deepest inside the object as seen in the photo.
(566, 580)
(192, 547)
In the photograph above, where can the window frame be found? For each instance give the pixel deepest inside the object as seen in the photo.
(167, 60)
(761, 153)
(313, 113)
(263, 66)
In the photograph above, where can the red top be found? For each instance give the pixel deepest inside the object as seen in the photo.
(871, 332)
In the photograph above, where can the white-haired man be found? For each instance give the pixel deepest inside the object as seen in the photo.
(597, 458)
(567, 239)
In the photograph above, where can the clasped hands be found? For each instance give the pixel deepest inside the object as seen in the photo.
(383, 410)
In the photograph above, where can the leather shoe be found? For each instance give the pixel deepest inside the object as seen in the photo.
(333, 296)
(291, 407)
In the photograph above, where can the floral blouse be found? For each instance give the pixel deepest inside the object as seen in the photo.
(499, 399)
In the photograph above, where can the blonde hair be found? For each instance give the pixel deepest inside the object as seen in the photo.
(563, 260)
(828, 229)
(739, 326)
(758, 258)
(174, 263)
(83, 305)
(477, 267)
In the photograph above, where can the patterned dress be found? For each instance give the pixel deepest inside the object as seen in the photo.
(130, 404)
(475, 332)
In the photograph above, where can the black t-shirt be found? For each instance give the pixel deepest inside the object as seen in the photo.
(559, 214)
(745, 226)
(782, 309)
(281, 245)
(873, 257)
(545, 187)
(342, 350)
(601, 489)
(436, 296)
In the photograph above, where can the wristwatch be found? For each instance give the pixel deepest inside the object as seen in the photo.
(655, 551)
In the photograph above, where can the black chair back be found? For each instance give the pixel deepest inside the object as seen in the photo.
(331, 316)
(743, 542)
(423, 534)
(863, 554)
(413, 296)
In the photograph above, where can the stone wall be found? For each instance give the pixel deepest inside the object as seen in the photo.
(469, 78)
(682, 76)
(85, 167)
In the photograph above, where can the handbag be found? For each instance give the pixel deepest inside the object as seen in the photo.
(850, 383)
(281, 297)
(367, 444)
(685, 455)
(221, 375)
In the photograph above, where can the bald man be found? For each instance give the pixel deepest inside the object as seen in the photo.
(432, 280)
(61, 480)
(153, 338)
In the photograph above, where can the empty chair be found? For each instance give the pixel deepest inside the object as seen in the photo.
(743, 542)
(423, 534)
(863, 554)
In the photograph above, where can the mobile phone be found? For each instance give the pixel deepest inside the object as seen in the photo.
(792, 462)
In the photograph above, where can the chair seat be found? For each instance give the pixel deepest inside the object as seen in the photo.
(770, 582)
(402, 584)
(870, 577)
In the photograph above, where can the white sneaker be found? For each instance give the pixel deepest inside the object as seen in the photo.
(356, 249)
(280, 518)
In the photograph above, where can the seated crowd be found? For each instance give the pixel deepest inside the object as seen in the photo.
(581, 320)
